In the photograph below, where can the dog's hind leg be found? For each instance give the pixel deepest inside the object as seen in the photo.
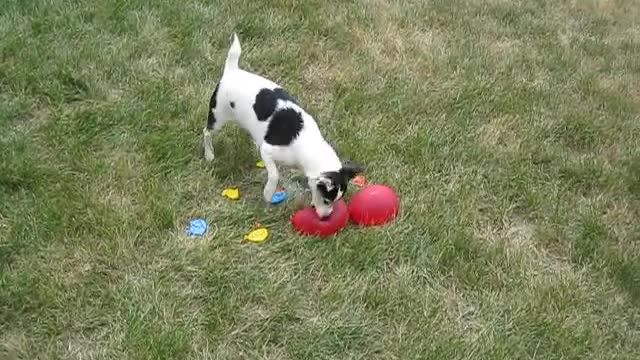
(212, 126)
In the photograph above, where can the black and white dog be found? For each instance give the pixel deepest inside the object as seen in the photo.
(282, 130)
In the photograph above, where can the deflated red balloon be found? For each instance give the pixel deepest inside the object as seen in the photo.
(307, 222)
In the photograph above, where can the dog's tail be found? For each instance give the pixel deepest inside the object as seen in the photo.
(233, 56)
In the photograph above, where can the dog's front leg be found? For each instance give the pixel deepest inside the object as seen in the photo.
(272, 172)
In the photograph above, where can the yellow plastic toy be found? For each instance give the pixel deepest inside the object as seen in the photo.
(260, 164)
(258, 235)
(231, 193)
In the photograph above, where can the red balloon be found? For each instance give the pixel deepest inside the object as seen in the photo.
(307, 222)
(374, 205)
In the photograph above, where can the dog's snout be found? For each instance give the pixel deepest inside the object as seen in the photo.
(323, 213)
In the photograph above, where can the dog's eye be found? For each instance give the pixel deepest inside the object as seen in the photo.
(326, 201)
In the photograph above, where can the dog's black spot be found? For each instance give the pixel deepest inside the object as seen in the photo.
(284, 127)
(211, 120)
(213, 101)
(267, 100)
(339, 183)
(330, 195)
(282, 94)
(232, 104)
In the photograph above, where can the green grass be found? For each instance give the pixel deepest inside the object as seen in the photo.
(510, 129)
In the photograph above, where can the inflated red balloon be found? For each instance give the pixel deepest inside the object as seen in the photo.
(374, 205)
(307, 222)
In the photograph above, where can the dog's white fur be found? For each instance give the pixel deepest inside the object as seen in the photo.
(309, 151)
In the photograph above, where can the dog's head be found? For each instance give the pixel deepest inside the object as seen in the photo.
(330, 186)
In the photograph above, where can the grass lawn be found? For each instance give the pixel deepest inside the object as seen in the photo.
(511, 130)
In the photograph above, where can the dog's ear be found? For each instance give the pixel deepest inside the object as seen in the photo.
(350, 170)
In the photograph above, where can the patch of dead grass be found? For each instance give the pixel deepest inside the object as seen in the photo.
(620, 14)
(78, 347)
(501, 48)
(76, 267)
(628, 86)
(518, 237)
(186, 241)
(13, 345)
(511, 232)
(502, 134)
(612, 9)
(622, 218)
(462, 314)
(34, 121)
(411, 50)
(118, 189)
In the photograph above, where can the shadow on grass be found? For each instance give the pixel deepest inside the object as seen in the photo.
(594, 247)
(235, 155)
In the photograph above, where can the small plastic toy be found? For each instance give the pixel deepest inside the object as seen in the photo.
(197, 227)
(258, 235)
(374, 205)
(231, 193)
(260, 164)
(360, 181)
(307, 222)
(279, 196)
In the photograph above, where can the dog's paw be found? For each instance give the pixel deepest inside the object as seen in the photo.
(208, 156)
(268, 194)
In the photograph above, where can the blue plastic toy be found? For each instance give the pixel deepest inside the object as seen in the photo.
(278, 197)
(197, 227)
